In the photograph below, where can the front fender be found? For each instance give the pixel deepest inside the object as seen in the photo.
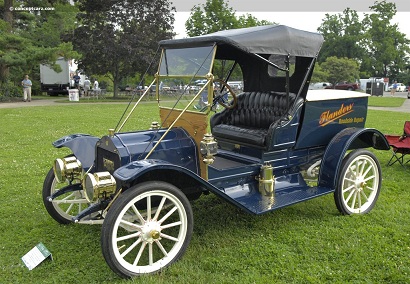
(82, 146)
(135, 169)
(347, 139)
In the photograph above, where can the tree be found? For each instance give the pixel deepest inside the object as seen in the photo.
(340, 69)
(343, 35)
(387, 48)
(118, 38)
(248, 20)
(213, 16)
(376, 43)
(318, 74)
(31, 37)
(5, 27)
(216, 15)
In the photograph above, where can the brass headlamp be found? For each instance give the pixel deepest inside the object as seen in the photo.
(68, 167)
(98, 185)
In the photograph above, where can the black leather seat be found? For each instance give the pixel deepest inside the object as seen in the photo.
(249, 122)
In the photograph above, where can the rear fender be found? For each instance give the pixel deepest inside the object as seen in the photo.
(347, 139)
(82, 146)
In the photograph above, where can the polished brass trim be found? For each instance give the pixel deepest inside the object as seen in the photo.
(179, 116)
(267, 180)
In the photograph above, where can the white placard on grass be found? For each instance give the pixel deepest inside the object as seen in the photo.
(36, 255)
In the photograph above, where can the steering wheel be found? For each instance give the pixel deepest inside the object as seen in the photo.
(222, 99)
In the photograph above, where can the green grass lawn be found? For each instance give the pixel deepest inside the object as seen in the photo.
(306, 243)
(385, 101)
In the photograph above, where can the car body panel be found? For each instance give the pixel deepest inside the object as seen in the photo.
(323, 119)
(177, 147)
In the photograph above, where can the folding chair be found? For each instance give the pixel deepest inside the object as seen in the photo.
(400, 146)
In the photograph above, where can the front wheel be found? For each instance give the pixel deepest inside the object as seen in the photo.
(359, 183)
(146, 229)
(66, 206)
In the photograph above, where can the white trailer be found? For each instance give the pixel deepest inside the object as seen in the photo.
(53, 82)
(374, 86)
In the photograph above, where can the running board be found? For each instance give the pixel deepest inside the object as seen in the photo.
(248, 197)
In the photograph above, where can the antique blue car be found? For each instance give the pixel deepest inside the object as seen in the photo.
(272, 145)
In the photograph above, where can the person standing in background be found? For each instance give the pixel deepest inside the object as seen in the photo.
(26, 83)
(77, 79)
(87, 86)
(95, 86)
(393, 88)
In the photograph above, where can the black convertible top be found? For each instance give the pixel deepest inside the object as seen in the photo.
(270, 39)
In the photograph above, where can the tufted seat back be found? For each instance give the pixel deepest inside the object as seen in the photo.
(251, 119)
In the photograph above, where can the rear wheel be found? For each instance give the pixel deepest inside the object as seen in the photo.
(146, 229)
(359, 183)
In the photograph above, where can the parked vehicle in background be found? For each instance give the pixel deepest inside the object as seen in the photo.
(345, 86)
(400, 87)
(319, 85)
(54, 83)
(236, 85)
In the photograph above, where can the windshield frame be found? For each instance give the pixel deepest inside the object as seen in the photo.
(168, 54)
(184, 91)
